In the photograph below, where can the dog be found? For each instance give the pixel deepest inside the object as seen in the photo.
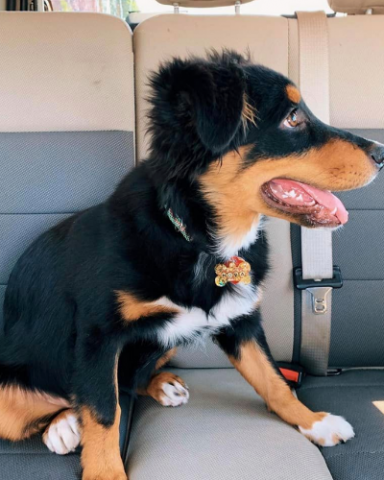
(176, 252)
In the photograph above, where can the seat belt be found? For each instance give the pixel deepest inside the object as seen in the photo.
(317, 277)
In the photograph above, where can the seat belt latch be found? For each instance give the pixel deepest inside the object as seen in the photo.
(319, 289)
(293, 374)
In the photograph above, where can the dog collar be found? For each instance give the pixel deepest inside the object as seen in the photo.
(235, 270)
(178, 224)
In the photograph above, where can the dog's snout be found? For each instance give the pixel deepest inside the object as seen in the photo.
(377, 155)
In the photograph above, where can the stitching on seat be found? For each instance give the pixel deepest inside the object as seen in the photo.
(342, 386)
(73, 454)
(353, 453)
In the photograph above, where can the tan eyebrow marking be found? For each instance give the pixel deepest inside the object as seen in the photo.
(293, 93)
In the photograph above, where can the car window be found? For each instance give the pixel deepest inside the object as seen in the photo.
(122, 8)
(261, 7)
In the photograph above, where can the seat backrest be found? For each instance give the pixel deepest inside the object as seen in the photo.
(356, 63)
(356, 103)
(158, 39)
(66, 124)
(66, 138)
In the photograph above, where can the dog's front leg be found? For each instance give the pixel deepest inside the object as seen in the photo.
(96, 398)
(247, 348)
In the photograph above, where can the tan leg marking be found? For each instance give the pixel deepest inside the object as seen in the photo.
(322, 427)
(100, 457)
(167, 389)
(255, 367)
(132, 309)
(24, 413)
(62, 435)
(165, 358)
(293, 94)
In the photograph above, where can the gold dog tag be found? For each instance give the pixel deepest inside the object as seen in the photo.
(235, 270)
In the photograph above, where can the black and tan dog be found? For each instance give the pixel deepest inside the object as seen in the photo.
(109, 293)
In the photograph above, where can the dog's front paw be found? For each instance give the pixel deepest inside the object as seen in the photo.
(329, 431)
(168, 389)
(174, 394)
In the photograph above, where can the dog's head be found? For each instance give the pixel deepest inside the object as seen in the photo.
(240, 136)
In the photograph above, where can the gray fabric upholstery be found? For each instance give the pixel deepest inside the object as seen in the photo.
(357, 335)
(2, 293)
(45, 466)
(351, 395)
(47, 176)
(60, 172)
(224, 433)
(17, 232)
(44, 178)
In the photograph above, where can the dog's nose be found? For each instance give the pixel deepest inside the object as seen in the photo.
(377, 155)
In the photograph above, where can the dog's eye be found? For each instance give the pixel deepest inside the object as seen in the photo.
(292, 121)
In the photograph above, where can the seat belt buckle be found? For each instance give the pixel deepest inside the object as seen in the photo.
(293, 374)
(318, 289)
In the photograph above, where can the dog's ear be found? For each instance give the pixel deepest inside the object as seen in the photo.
(217, 100)
(207, 97)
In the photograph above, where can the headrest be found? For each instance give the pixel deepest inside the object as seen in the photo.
(202, 3)
(355, 7)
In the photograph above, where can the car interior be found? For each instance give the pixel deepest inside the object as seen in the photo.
(73, 102)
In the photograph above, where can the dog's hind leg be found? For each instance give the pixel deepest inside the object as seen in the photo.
(26, 412)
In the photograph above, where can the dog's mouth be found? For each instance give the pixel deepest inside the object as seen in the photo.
(319, 207)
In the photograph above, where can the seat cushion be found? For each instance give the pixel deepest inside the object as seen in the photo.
(224, 433)
(359, 397)
(31, 459)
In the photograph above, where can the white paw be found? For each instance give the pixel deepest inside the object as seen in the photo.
(63, 436)
(174, 394)
(329, 431)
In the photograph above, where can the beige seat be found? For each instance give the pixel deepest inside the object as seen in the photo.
(66, 139)
(225, 431)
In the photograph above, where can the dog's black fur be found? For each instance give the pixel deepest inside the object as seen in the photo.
(63, 326)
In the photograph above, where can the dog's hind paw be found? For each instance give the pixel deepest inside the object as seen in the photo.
(62, 435)
(329, 431)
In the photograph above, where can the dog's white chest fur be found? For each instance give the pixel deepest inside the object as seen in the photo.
(189, 323)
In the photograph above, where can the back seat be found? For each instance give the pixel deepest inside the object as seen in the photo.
(225, 431)
(67, 130)
(214, 443)
(66, 139)
(356, 356)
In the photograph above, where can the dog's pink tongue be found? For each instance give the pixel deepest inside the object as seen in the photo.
(301, 194)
